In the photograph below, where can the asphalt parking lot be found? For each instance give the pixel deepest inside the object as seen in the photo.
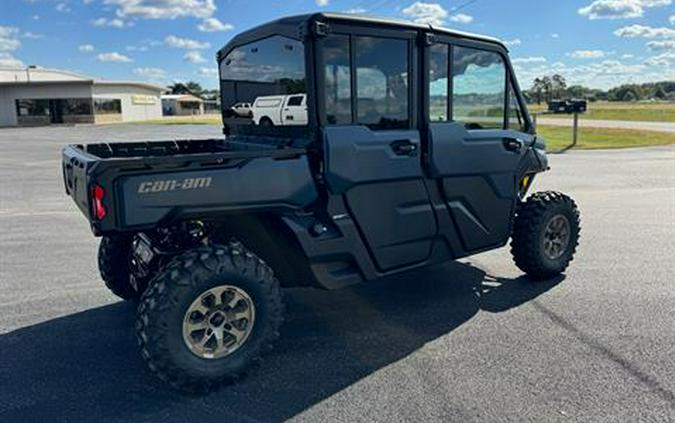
(469, 341)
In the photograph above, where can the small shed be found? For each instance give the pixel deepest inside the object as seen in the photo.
(182, 105)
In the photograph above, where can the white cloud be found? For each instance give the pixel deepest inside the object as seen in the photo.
(194, 57)
(9, 61)
(635, 31)
(426, 13)
(661, 45)
(113, 57)
(137, 48)
(186, 43)
(32, 35)
(8, 38)
(461, 18)
(627, 56)
(151, 73)
(62, 7)
(619, 9)
(555, 35)
(86, 48)
(214, 25)
(208, 71)
(586, 54)
(603, 74)
(672, 19)
(164, 9)
(666, 59)
(114, 23)
(512, 43)
(87, 1)
(522, 60)
(355, 10)
(321, 3)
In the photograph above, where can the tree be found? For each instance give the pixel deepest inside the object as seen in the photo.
(558, 85)
(189, 87)
(538, 87)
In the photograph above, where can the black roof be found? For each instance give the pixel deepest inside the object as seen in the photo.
(293, 22)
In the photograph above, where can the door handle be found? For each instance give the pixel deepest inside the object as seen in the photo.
(514, 144)
(404, 148)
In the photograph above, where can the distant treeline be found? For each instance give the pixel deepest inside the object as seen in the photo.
(555, 87)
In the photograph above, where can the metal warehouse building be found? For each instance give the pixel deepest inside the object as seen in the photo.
(37, 96)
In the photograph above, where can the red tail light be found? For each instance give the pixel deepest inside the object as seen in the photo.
(97, 194)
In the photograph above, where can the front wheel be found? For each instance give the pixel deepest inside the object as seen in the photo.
(545, 234)
(207, 316)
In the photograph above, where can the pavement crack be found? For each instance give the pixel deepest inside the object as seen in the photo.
(651, 383)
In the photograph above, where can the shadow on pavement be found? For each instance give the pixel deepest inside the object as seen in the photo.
(86, 366)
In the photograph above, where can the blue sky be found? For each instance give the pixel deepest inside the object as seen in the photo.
(598, 43)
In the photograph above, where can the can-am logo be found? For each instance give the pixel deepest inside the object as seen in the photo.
(173, 185)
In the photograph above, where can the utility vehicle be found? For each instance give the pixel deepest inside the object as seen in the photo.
(418, 149)
(272, 110)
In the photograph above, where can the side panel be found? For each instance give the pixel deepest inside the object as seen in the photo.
(383, 191)
(260, 184)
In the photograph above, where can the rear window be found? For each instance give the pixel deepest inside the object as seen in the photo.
(272, 66)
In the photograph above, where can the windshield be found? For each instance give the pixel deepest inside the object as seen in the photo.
(264, 75)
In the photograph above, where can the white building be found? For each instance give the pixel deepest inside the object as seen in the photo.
(37, 96)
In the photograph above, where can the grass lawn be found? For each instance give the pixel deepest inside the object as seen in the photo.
(559, 137)
(647, 112)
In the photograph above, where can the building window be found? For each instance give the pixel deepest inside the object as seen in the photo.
(337, 80)
(30, 107)
(107, 106)
(479, 88)
(381, 82)
(75, 106)
(438, 82)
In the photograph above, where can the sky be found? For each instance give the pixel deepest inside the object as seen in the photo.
(596, 43)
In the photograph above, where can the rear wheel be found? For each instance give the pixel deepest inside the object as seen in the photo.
(208, 316)
(265, 121)
(114, 260)
(545, 234)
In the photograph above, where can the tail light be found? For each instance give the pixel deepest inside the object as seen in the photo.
(97, 194)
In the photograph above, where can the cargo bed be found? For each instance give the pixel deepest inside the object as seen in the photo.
(146, 184)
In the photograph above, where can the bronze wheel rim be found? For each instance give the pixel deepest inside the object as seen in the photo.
(218, 322)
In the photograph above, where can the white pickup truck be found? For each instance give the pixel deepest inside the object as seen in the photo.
(280, 110)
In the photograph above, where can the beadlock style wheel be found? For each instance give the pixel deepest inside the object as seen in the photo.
(218, 322)
(556, 237)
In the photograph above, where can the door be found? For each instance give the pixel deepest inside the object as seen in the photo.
(476, 141)
(56, 110)
(294, 111)
(372, 145)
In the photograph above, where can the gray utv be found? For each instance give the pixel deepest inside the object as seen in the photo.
(385, 147)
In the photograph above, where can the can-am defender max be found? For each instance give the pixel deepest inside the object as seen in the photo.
(398, 146)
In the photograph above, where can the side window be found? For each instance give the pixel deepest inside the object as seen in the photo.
(337, 80)
(479, 84)
(295, 101)
(438, 82)
(381, 82)
(516, 118)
